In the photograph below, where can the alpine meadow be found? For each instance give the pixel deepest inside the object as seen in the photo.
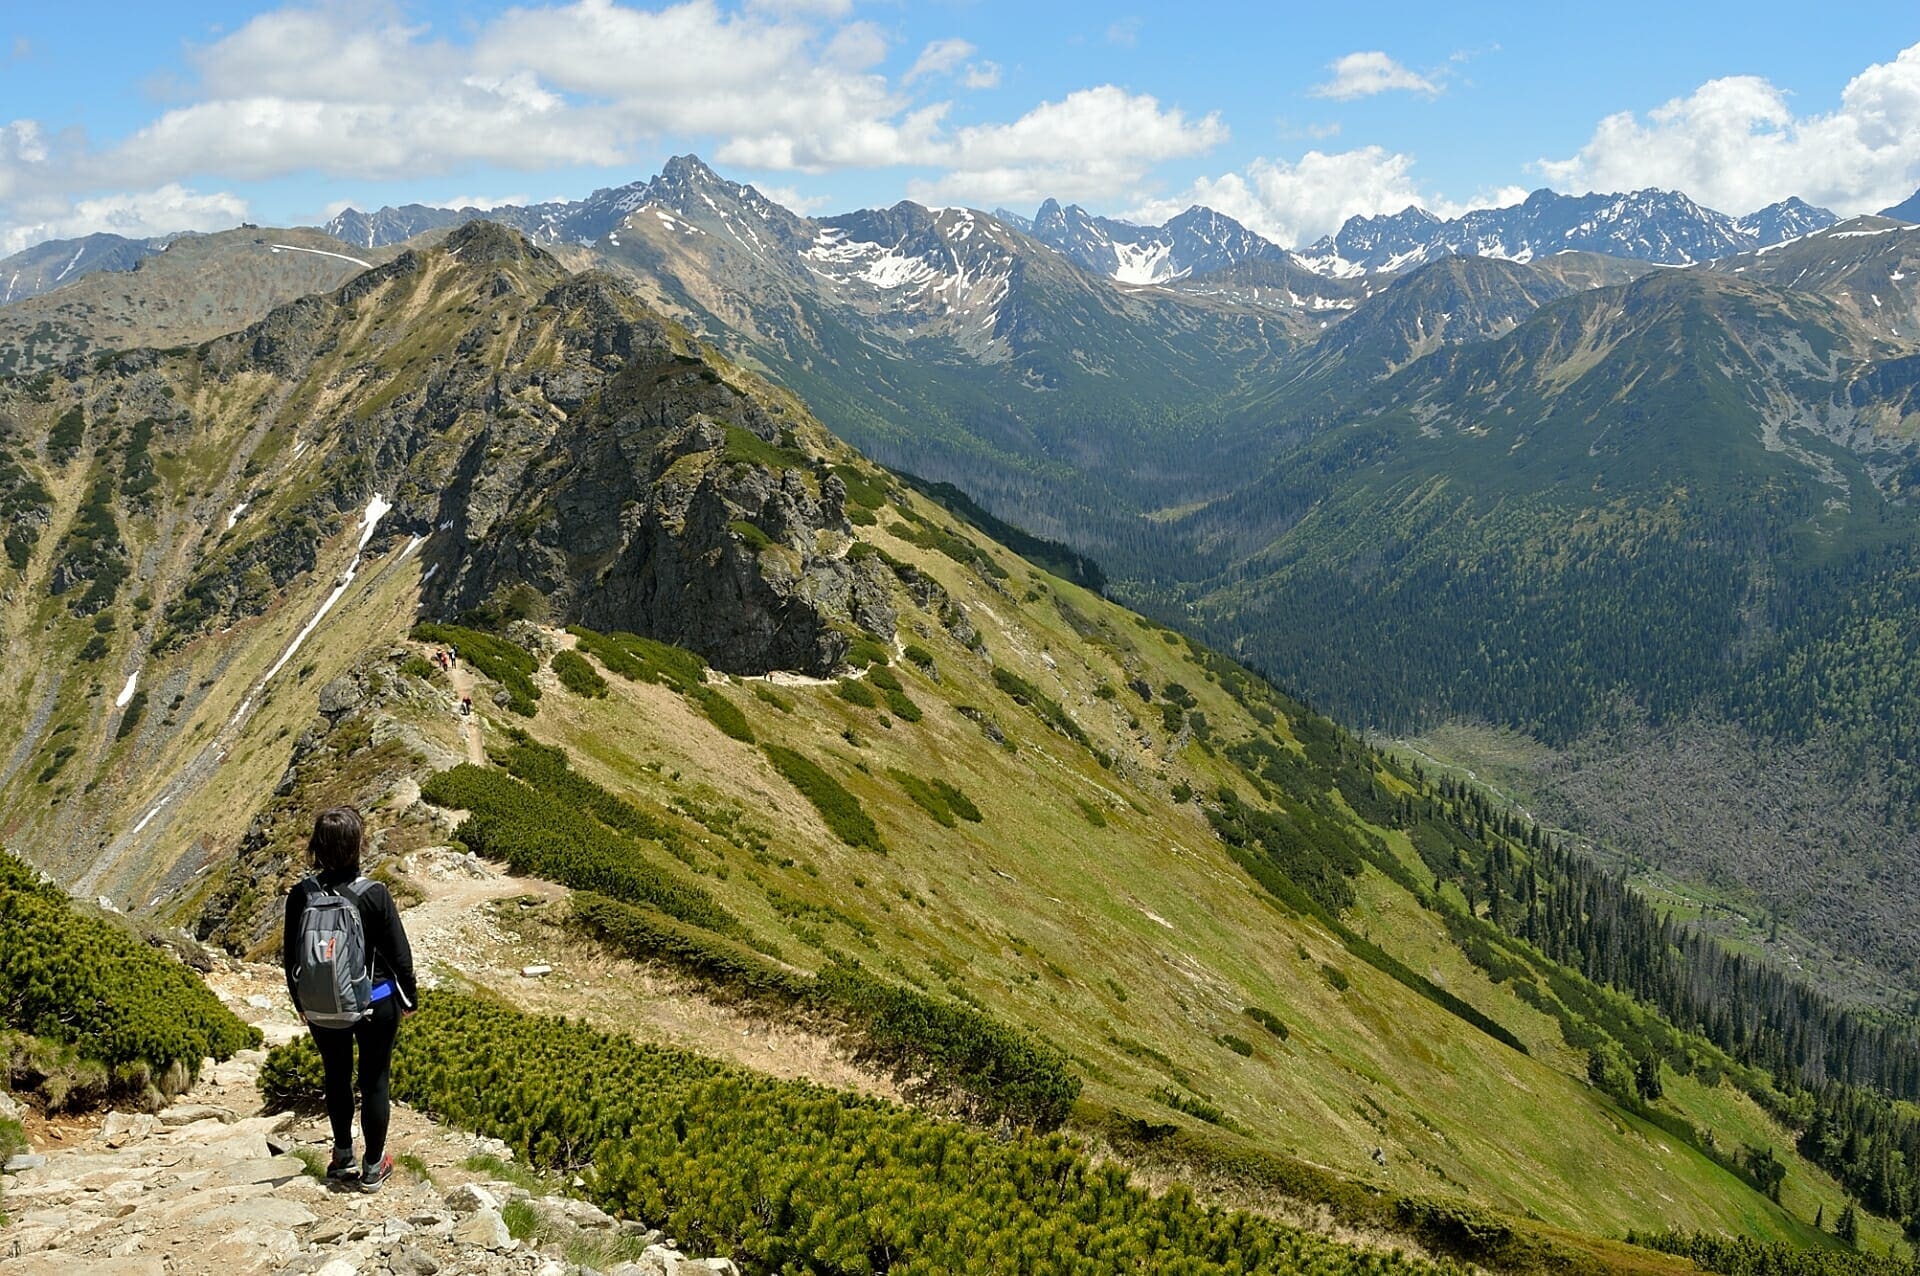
(1340, 694)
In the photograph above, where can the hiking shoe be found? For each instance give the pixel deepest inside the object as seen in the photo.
(372, 1175)
(343, 1166)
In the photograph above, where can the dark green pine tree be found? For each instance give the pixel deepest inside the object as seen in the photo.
(1848, 1226)
(1646, 1078)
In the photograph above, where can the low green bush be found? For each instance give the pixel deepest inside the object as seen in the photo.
(895, 694)
(85, 983)
(767, 695)
(926, 796)
(856, 693)
(577, 674)
(648, 934)
(840, 809)
(1042, 705)
(723, 713)
(868, 651)
(787, 1176)
(755, 539)
(1268, 1020)
(640, 659)
(546, 832)
(1007, 1073)
(1191, 1104)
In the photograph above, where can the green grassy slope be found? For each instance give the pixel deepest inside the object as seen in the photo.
(1094, 907)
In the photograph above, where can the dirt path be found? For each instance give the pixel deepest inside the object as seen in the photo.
(452, 931)
(462, 679)
(465, 930)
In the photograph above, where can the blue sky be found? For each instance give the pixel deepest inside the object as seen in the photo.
(146, 117)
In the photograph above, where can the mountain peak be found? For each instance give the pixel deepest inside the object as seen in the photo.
(1907, 210)
(488, 242)
(689, 168)
(1197, 241)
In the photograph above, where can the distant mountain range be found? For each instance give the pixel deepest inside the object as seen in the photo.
(48, 264)
(568, 221)
(1664, 227)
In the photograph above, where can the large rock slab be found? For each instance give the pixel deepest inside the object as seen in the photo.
(486, 1229)
(188, 1113)
(268, 1210)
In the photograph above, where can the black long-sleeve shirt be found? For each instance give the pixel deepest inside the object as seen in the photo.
(387, 946)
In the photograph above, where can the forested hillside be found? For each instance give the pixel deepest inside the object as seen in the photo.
(1646, 510)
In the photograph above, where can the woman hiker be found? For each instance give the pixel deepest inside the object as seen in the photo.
(350, 973)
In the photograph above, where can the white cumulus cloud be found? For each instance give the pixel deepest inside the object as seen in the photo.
(981, 75)
(1294, 203)
(135, 214)
(938, 58)
(1736, 144)
(1095, 143)
(1366, 73)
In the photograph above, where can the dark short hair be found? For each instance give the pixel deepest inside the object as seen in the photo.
(338, 835)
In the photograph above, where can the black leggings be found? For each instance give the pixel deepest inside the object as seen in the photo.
(375, 1034)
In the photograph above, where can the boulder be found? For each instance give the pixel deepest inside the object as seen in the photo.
(486, 1229)
(406, 1260)
(187, 1113)
(565, 1211)
(469, 1197)
(122, 1128)
(267, 1210)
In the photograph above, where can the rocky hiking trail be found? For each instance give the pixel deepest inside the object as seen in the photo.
(212, 1185)
(461, 679)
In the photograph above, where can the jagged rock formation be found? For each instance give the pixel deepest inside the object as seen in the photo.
(566, 437)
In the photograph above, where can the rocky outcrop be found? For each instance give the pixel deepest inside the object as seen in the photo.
(668, 502)
(545, 432)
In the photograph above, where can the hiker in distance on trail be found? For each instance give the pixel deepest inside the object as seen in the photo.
(350, 973)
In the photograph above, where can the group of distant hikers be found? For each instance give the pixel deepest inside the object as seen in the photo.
(445, 657)
(350, 974)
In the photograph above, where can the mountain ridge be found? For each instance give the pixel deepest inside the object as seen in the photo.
(1650, 225)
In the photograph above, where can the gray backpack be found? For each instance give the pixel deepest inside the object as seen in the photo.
(334, 974)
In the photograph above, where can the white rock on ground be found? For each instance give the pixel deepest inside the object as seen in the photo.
(202, 1189)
